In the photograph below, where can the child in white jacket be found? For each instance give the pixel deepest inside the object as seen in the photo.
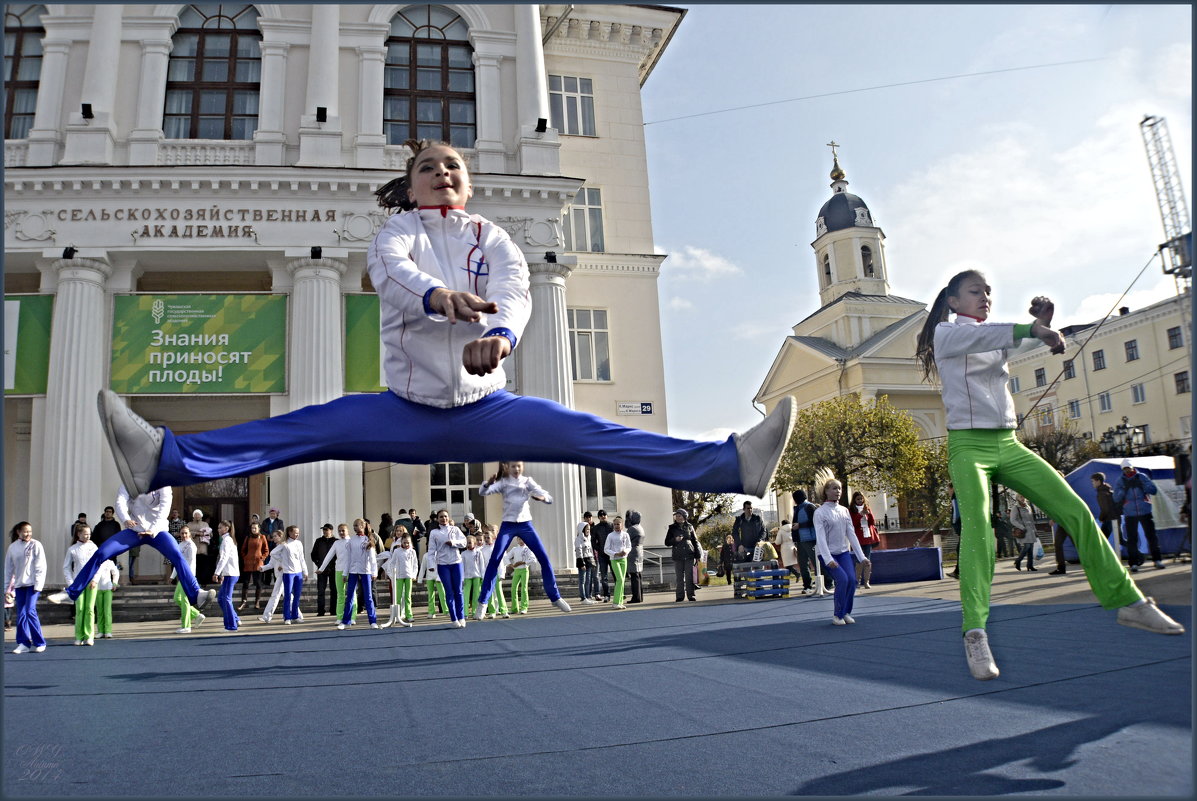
(498, 599)
(618, 546)
(77, 556)
(472, 568)
(108, 578)
(292, 570)
(838, 546)
(362, 567)
(403, 568)
(25, 572)
(517, 491)
(522, 560)
(432, 586)
(227, 571)
(188, 615)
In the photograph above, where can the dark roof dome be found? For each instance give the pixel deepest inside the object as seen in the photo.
(840, 212)
(843, 210)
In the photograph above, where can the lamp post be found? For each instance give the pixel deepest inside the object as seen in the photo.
(1122, 439)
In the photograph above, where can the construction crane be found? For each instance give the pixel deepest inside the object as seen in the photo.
(1177, 248)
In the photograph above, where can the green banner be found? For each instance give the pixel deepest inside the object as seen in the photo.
(363, 345)
(199, 344)
(27, 343)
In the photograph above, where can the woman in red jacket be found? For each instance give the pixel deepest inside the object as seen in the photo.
(865, 528)
(254, 550)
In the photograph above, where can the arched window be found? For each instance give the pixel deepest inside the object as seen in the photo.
(866, 258)
(23, 34)
(213, 76)
(428, 92)
(826, 270)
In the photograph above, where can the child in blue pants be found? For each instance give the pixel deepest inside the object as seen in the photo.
(449, 283)
(837, 545)
(143, 514)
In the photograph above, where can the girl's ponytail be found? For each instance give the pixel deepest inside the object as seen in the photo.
(925, 351)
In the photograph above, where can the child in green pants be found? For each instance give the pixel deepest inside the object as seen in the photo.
(108, 578)
(969, 355)
(433, 585)
(497, 605)
(403, 567)
(472, 568)
(521, 556)
(188, 615)
(81, 550)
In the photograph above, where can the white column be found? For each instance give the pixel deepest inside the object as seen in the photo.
(151, 97)
(269, 139)
(72, 450)
(544, 373)
(489, 144)
(91, 141)
(316, 491)
(320, 142)
(538, 152)
(370, 140)
(46, 136)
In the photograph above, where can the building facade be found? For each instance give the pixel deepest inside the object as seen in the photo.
(189, 200)
(1136, 365)
(862, 338)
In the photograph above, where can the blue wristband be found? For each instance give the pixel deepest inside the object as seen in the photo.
(427, 296)
(502, 332)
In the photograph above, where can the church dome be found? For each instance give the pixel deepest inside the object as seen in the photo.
(840, 212)
(844, 210)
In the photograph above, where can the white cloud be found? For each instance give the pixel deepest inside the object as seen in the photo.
(1093, 308)
(699, 264)
(1036, 218)
(679, 304)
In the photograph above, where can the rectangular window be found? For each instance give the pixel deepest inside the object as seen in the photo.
(571, 105)
(1074, 409)
(1132, 349)
(1014, 385)
(1069, 370)
(454, 486)
(1175, 338)
(583, 222)
(1104, 403)
(1182, 382)
(1040, 376)
(1045, 415)
(1099, 360)
(1138, 393)
(589, 344)
(598, 490)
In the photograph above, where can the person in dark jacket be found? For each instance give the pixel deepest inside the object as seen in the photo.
(326, 579)
(727, 558)
(681, 538)
(105, 527)
(636, 557)
(747, 530)
(803, 534)
(1132, 491)
(598, 540)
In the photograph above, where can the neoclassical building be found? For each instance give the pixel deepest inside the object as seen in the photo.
(862, 337)
(188, 203)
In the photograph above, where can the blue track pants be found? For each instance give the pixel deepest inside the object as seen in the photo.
(451, 578)
(122, 541)
(528, 534)
(386, 428)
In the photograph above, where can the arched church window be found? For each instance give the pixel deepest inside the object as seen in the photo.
(826, 270)
(428, 91)
(866, 259)
(23, 34)
(212, 79)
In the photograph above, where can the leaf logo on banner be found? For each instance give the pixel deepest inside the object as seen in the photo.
(158, 311)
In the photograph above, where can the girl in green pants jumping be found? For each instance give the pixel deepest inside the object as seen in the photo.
(969, 355)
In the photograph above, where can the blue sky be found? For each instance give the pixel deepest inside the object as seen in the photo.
(1038, 177)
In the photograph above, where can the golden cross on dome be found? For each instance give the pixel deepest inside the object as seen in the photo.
(832, 144)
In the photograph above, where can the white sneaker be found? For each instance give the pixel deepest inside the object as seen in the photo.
(373, 625)
(1147, 616)
(78, 642)
(202, 597)
(506, 615)
(200, 619)
(89, 641)
(838, 621)
(39, 649)
(183, 631)
(107, 636)
(286, 622)
(136, 445)
(264, 618)
(59, 597)
(980, 660)
(561, 604)
(523, 611)
(299, 616)
(849, 619)
(480, 614)
(759, 449)
(340, 627)
(21, 649)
